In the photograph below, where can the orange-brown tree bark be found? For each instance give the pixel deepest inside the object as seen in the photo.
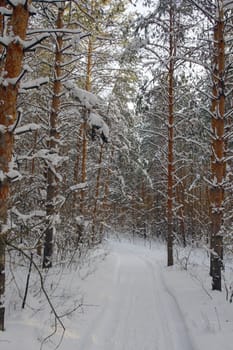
(218, 162)
(8, 115)
(84, 124)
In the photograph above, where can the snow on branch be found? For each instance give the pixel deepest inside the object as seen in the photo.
(195, 181)
(27, 45)
(27, 128)
(79, 186)
(26, 217)
(3, 129)
(15, 3)
(34, 84)
(57, 30)
(14, 81)
(5, 12)
(53, 159)
(53, 170)
(13, 175)
(228, 4)
(5, 40)
(96, 122)
(86, 98)
(31, 9)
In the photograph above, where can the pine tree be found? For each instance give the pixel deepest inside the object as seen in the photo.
(9, 88)
(52, 178)
(218, 162)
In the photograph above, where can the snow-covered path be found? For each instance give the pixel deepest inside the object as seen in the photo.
(131, 301)
(137, 310)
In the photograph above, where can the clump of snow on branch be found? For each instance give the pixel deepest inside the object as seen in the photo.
(79, 186)
(96, 121)
(32, 84)
(86, 98)
(26, 217)
(5, 12)
(12, 174)
(27, 128)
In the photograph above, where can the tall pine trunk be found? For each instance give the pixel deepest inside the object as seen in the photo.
(84, 124)
(52, 181)
(97, 191)
(218, 162)
(8, 114)
(170, 139)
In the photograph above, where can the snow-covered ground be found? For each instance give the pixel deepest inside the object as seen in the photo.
(130, 301)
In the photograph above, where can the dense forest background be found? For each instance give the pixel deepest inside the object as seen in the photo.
(115, 116)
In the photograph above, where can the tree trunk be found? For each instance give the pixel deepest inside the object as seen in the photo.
(84, 125)
(218, 162)
(213, 109)
(105, 206)
(84, 163)
(8, 114)
(52, 181)
(77, 165)
(2, 214)
(2, 280)
(180, 198)
(97, 190)
(170, 141)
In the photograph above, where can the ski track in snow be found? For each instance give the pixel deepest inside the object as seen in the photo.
(138, 313)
